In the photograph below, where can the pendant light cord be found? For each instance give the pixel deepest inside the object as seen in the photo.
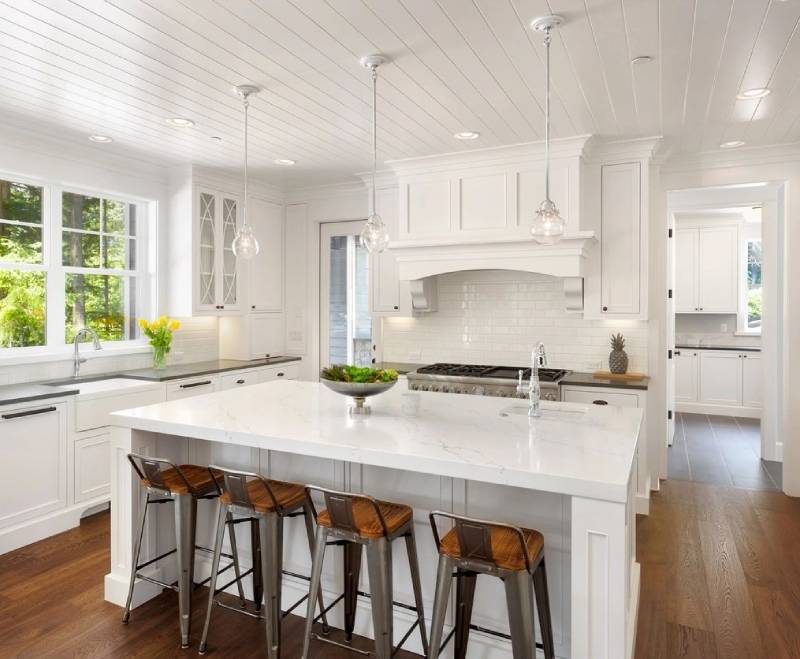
(547, 117)
(374, 132)
(244, 205)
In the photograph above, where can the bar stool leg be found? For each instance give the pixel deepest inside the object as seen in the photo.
(465, 596)
(271, 540)
(519, 598)
(543, 606)
(413, 564)
(314, 586)
(222, 515)
(255, 551)
(184, 533)
(352, 574)
(379, 567)
(235, 554)
(137, 549)
(444, 577)
(308, 518)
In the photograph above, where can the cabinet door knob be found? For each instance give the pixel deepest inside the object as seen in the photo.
(253, 307)
(605, 308)
(281, 374)
(239, 381)
(396, 307)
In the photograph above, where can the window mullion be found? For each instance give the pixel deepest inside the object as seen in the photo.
(55, 273)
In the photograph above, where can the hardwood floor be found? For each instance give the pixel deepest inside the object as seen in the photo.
(720, 579)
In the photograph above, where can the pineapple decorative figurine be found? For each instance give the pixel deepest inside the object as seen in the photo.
(618, 359)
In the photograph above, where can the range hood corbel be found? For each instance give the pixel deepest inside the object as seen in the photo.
(424, 295)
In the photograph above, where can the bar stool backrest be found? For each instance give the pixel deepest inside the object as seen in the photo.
(235, 485)
(475, 537)
(150, 471)
(340, 508)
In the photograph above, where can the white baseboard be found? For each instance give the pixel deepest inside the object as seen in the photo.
(721, 410)
(116, 589)
(39, 528)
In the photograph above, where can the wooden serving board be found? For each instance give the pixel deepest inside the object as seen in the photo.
(608, 375)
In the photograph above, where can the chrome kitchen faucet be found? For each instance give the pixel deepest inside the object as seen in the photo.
(84, 331)
(538, 360)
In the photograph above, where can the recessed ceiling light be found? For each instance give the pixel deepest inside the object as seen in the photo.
(180, 122)
(750, 94)
(467, 135)
(642, 59)
(731, 145)
(102, 139)
(286, 162)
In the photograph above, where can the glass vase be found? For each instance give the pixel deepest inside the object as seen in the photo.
(160, 356)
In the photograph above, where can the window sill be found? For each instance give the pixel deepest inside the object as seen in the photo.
(750, 334)
(67, 354)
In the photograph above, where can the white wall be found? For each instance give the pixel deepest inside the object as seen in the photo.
(496, 317)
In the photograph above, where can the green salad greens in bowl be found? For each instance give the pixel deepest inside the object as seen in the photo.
(358, 382)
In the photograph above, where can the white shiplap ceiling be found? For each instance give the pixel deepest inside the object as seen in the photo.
(71, 68)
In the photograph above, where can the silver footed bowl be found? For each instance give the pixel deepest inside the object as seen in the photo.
(358, 391)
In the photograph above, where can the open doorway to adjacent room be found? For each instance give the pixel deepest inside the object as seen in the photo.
(724, 335)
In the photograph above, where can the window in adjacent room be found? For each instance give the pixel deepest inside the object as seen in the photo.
(753, 291)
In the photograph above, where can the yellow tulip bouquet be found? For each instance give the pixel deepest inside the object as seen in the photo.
(160, 334)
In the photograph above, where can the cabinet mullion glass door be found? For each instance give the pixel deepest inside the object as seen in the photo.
(208, 250)
(230, 283)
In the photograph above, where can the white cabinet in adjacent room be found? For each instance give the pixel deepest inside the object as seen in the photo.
(686, 372)
(33, 455)
(707, 270)
(621, 238)
(265, 270)
(751, 380)
(720, 377)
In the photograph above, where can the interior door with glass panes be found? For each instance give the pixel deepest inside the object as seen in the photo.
(345, 322)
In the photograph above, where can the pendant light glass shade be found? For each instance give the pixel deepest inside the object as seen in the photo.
(375, 234)
(245, 245)
(548, 225)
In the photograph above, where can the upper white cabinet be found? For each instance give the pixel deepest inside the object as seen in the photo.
(621, 238)
(385, 298)
(265, 270)
(216, 220)
(706, 269)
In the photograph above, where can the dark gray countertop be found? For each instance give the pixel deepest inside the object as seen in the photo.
(11, 394)
(401, 367)
(588, 380)
(178, 371)
(718, 347)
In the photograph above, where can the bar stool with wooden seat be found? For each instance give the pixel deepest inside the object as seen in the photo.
(183, 485)
(512, 553)
(356, 521)
(265, 504)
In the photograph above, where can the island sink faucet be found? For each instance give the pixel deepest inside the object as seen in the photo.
(84, 331)
(538, 360)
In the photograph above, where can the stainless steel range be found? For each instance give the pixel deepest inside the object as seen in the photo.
(482, 380)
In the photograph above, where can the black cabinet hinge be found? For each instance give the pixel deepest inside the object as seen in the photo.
(669, 354)
(669, 294)
(669, 233)
(669, 415)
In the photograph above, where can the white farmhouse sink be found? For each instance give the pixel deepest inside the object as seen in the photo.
(99, 398)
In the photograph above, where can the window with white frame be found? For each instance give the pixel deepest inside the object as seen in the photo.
(69, 259)
(750, 314)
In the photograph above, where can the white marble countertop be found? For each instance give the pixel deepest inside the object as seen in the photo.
(573, 449)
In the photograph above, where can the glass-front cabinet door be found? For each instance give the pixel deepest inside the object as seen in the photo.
(216, 271)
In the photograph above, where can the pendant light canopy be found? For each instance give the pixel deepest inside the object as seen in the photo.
(245, 246)
(548, 225)
(374, 235)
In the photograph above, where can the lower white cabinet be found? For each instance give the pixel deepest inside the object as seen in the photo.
(281, 372)
(202, 384)
(723, 382)
(686, 375)
(92, 461)
(33, 455)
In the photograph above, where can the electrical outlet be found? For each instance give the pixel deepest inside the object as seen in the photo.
(723, 327)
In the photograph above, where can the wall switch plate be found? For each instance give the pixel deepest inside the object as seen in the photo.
(723, 327)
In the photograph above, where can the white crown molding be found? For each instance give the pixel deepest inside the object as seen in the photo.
(639, 148)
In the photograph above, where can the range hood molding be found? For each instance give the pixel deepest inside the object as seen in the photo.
(418, 259)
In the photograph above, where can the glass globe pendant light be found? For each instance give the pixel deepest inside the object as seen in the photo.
(548, 225)
(245, 245)
(374, 235)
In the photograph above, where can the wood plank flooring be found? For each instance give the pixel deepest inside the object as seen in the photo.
(720, 579)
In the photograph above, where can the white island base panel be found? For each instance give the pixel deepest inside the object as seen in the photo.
(589, 544)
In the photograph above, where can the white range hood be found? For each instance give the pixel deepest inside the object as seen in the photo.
(417, 259)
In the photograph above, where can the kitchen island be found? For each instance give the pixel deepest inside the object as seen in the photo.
(570, 474)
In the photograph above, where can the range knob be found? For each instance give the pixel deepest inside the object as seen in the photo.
(434, 388)
(424, 387)
(479, 390)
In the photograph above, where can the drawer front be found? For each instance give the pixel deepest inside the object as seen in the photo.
(92, 461)
(192, 387)
(239, 379)
(282, 372)
(600, 397)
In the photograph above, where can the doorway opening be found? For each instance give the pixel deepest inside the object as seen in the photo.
(724, 384)
(345, 322)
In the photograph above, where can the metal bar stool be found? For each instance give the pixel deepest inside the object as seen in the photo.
(183, 485)
(265, 504)
(356, 521)
(512, 553)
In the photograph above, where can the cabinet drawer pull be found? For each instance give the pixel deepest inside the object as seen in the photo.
(281, 374)
(676, 352)
(17, 415)
(599, 401)
(195, 384)
(239, 381)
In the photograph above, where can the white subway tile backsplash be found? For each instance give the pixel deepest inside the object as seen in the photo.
(498, 316)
